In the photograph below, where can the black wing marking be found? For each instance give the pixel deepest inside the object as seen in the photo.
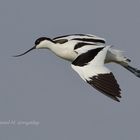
(81, 44)
(60, 41)
(94, 40)
(107, 84)
(59, 37)
(86, 57)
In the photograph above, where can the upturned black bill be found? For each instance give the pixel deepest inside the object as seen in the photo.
(25, 52)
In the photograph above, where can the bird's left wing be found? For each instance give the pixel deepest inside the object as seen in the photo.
(90, 66)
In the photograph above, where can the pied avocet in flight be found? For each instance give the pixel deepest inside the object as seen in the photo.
(88, 54)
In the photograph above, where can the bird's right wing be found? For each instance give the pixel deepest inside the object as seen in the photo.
(90, 66)
(88, 38)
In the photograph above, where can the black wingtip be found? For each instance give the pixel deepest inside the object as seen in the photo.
(106, 84)
(116, 99)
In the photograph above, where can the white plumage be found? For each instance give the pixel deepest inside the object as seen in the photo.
(88, 54)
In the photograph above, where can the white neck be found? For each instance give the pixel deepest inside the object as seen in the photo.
(46, 44)
(59, 49)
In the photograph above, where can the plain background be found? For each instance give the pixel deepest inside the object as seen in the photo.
(40, 86)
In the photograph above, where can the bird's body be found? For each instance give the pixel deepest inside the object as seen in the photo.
(67, 45)
(88, 54)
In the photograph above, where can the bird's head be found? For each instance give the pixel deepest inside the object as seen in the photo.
(40, 43)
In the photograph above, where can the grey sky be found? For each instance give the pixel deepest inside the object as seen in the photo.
(44, 88)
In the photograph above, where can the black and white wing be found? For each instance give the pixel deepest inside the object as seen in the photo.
(88, 38)
(90, 66)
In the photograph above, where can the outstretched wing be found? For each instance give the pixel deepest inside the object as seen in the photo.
(90, 66)
(88, 38)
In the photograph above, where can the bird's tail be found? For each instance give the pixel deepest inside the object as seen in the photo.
(119, 58)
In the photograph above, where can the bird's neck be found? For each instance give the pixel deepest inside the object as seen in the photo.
(55, 48)
(61, 51)
(51, 46)
(47, 45)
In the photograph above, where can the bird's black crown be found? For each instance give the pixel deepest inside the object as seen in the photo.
(41, 39)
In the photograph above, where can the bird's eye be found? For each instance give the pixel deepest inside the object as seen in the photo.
(37, 41)
(40, 40)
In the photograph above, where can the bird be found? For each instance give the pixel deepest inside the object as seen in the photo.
(88, 55)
